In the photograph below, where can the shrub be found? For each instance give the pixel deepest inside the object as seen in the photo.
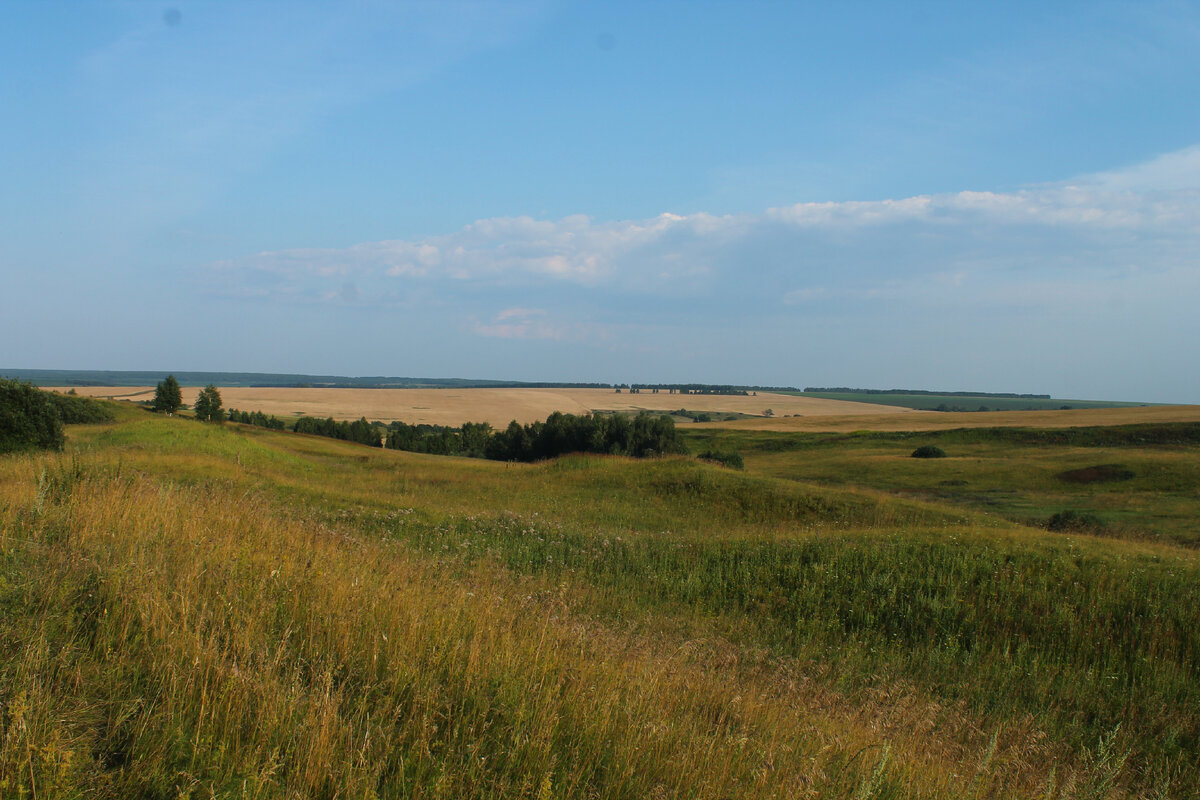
(28, 418)
(732, 460)
(1069, 520)
(929, 451)
(75, 410)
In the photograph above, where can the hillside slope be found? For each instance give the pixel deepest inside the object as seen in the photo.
(195, 610)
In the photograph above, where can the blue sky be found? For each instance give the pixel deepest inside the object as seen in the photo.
(990, 196)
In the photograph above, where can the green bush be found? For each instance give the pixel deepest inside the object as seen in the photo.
(76, 410)
(929, 451)
(732, 460)
(1081, 521)
(28, 418)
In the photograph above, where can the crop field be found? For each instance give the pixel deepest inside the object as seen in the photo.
(495, 406)
(200, 610)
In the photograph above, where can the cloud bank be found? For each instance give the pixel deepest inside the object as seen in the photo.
(1087, 288)
(1128, 236)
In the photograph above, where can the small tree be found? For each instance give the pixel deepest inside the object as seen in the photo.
(167, 397)
(208, 405)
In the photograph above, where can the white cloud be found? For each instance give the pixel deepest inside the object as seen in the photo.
(1177, 171)
(520, 313)
(970, 248)
(522, 323)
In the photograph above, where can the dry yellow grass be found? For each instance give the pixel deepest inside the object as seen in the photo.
(496, 406)
(939, 420)
(221, 646)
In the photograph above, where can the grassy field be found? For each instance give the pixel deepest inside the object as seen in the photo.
(224, 611)
(938, 420)
(1138, 481)
(496, 406)
(972, 403)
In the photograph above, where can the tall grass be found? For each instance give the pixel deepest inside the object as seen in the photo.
(161, 642)
(194, 611)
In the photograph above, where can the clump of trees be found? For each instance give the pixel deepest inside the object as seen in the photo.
(469, 440)
(256, 418)
(167, 396)
(208, 405)
(647, 434)
(616, 434)
(28, 419)
(31, 419)
(929, 451)
(359, 431)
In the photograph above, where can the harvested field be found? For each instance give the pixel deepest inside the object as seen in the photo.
(496, 406)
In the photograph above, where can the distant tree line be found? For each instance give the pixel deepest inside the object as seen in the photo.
(646, 434)
(699, 388)
(471, 439)
(256, 418)
(359, 431)
(847, 390)
(32, 419)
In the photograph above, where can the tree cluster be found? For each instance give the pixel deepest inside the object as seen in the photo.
(256, 418)
(470, 440)
(167, 396)
(644, 435)
(359, 431)
(31, 419)
(208, 405)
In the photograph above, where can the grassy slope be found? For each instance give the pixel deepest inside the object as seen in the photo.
(190, 609)
(1011, 472)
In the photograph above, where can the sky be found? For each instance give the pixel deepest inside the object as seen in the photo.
(961, 196)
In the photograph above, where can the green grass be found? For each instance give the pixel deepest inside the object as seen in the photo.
(228, 611)
(931, 402)
(1013, 473)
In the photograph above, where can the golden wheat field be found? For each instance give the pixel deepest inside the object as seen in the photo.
(496, 406)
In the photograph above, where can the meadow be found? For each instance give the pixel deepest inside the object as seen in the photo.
(954, 420)
(194, 610)
(963, 402)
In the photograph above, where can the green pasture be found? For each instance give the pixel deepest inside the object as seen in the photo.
(953, 402)
(1149, 490)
